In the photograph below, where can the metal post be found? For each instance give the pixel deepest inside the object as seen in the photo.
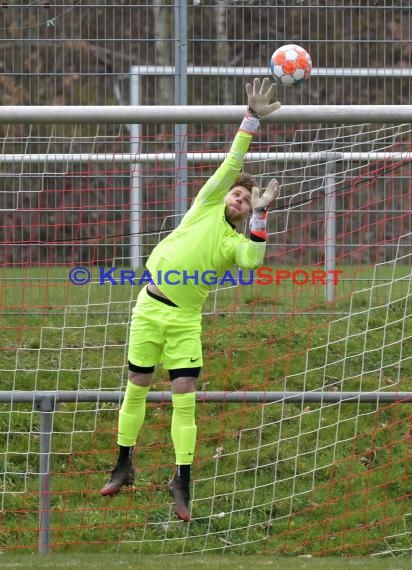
(135, 176)
(218, 114)
(180, 98)
(46, 408)
(210, 396)
(330, 226)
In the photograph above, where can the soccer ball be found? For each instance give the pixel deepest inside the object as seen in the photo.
(290, 65)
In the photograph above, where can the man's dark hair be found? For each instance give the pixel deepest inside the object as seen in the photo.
(245, 180)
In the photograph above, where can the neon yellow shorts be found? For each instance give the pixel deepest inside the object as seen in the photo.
(163, 334)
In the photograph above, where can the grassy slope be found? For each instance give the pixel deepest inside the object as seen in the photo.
(95, 562)
(340, 471)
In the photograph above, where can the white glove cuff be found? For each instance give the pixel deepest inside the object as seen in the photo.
(250, 124)
(257, 223)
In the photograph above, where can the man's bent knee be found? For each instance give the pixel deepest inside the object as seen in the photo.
(184, 385)
(140, 375)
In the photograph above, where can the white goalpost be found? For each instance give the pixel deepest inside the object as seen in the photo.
(303, 445)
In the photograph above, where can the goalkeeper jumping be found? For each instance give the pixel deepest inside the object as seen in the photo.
(166, 321)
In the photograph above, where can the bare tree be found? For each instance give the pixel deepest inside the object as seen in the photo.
(222, 47)
(162, 17)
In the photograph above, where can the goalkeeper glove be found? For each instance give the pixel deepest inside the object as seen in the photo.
(259, 96)
(258, 101)
(260, 208)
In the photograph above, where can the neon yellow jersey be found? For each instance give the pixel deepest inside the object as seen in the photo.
(204, 240)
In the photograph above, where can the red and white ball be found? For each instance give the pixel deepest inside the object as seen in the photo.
(290, 65)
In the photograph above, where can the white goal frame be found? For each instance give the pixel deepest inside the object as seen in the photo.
(133, 115)
(46, 402)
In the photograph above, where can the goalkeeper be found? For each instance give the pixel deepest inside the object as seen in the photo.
(166, 321)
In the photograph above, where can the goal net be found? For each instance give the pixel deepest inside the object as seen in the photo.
(321, 473)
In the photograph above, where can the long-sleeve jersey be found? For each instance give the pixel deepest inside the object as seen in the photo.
(204, 240)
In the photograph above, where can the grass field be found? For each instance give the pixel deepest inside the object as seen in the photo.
(97, 561)
(291, 479)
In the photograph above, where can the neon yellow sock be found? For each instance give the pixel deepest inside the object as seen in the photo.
(132, 413)
(183, 427)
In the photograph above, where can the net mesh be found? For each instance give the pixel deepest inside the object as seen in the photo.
(330, 478)
(286, 477)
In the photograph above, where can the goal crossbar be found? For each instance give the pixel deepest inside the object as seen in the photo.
(196, 157)
(151, 114)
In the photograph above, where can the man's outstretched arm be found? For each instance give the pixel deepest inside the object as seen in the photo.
(259, 95)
